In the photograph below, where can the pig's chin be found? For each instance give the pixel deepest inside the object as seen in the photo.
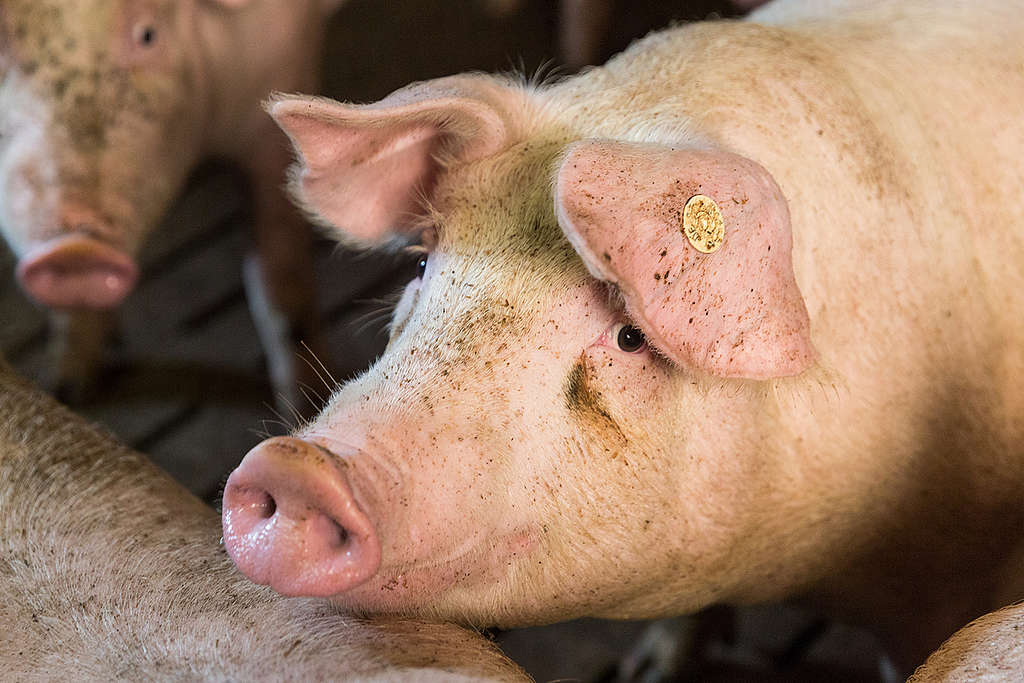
(461, 585)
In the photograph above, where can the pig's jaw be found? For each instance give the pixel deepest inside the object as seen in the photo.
(464, 585)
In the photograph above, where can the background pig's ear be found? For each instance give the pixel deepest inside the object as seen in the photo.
(734, 312)
(366, 168)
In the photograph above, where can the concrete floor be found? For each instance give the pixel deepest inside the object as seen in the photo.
(185, 382)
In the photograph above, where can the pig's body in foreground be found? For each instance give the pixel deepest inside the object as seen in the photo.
(831, 410)
(988, 650)
(106, 106)
(111, 571)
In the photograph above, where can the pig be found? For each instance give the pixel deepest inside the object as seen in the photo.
(106, 106)
(112, 571)
(584, 25)
(988, 650)
(735, 318)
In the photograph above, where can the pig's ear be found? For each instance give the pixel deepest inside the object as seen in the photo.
(367, 168)
(731, 308)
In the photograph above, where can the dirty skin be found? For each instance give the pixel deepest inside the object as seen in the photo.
(585, 402)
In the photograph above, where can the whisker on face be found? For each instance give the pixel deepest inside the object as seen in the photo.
(306, 390)
(384, 309)
(321, 371)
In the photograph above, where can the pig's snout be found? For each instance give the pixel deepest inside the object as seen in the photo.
(77, 272)
(291, 522)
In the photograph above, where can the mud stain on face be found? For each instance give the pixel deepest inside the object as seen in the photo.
(587, 406)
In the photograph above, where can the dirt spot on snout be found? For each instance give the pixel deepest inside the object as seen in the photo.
(312, 453)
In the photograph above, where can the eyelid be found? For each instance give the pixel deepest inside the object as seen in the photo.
(428, 239)
(426, 242)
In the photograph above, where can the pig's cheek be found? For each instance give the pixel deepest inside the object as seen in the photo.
(633, 380)
(404, 309)
(26, 200)
(639, 395)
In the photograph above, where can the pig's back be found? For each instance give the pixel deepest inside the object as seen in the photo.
(932, 121)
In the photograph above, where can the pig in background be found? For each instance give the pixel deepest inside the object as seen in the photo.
(581, 413)
(109, 570)
(106, 107)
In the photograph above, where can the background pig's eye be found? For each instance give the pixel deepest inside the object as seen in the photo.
(630, 339)
(145, 34)
(421, 266)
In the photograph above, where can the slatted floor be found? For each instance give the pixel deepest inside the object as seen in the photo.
(185, 380)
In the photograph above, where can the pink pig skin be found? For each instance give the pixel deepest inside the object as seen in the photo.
(988, 650)
(858, 446)
(757, 333)
(112, 571)
(106, 107)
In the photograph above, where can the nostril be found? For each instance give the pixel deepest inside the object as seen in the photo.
(265, 505)
(257, 503)
(332, 534)
(291, 521)
(341, 534)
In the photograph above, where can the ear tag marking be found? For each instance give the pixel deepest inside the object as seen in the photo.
(703, 224)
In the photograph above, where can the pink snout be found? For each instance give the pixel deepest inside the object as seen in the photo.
(77, 272)
(291, 522)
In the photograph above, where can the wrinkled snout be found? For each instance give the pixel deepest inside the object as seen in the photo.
(291, 522)
(77, 272)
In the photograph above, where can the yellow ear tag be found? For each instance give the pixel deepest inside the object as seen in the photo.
(703, 224)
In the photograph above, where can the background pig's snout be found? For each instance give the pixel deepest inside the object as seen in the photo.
(291, 522)
(77, 272)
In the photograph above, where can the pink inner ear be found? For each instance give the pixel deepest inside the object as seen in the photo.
(736, 312)
(367, 168)
(367, 181)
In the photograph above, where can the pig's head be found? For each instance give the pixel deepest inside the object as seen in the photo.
(101, 118)
(570, 417)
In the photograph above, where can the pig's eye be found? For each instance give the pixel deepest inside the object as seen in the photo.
(144, 34)
(421, 266)
(630, 339)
